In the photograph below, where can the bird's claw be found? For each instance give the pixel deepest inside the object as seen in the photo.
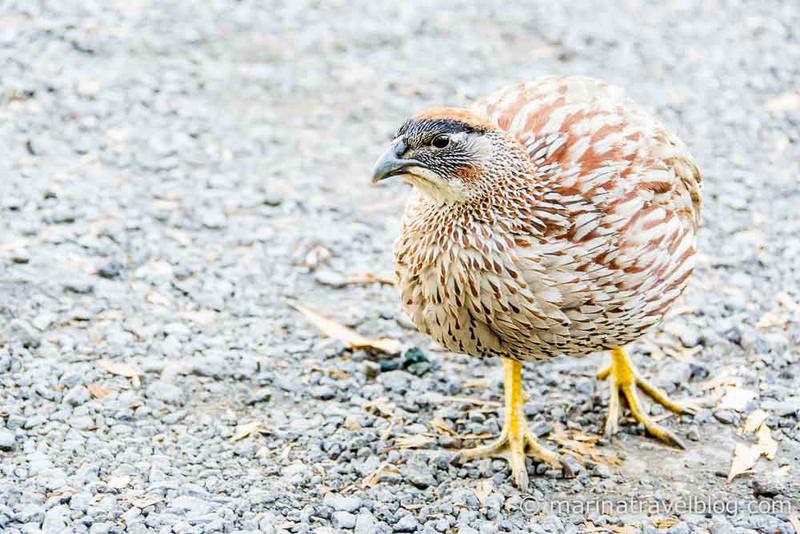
(623, 379)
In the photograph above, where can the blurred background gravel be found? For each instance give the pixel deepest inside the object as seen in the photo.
(173, 173)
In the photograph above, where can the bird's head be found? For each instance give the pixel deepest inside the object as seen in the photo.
(450, 154)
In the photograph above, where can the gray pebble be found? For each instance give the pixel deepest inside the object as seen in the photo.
(419, 474)
(77, 396)
(343, 520)
(7, 439)
(407, 523)
(365, 523)
(22, 333)
(342, 503)
(166, 392)
(330, 278)
(55, 519)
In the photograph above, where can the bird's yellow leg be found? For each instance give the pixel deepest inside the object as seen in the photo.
(625, 380)
(515, 440)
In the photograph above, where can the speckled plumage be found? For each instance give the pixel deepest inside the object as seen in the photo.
(576, 238)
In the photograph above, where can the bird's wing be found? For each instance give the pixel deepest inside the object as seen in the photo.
(601, 144)
(628, 189)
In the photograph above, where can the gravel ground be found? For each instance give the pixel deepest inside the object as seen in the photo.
(175, 174)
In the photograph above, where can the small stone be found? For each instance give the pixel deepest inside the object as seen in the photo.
(77, 396)
(21, 332)
(726, 416)
(215, 220)
(689, 335)
(343, 520)
(7, 439)
(165, 392)
(110, 270)
(323, 392)
(768, 486)
(679, 528)
(416, 362)
(585, 386)
(34, 421)
(603, 470)
(542, 429)
(371, 369)
(407, 523)
(20, 257)
(78, 288)
(342, 503)
(420, 475)
(272, 201)
(190, 506)
(330, 278)
(81, 422)
(55, 519)
(100, 528)
(388, 365)
(259, 395)
(365, 523)
(396, 380)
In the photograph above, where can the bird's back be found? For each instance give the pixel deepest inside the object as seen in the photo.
(621, 199)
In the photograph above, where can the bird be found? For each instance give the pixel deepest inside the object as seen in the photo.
(553, 218)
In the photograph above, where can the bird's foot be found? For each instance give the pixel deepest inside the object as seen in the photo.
(513, 445)
(625, 380)
(516, 441)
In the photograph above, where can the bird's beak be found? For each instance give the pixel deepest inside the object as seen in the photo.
(392, 164)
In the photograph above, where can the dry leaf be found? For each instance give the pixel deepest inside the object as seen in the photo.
(665, 522)
(766, 443)
(286, 451)
(121, 369)
(441, 426)
(483, 435)
(681, 353)
(581, 445)
(143, 502)
(201, 317)
(413, 442)
(61, 492)
(744, 458)
(388, 431)
(724, 380)
(155, 298)
(484, 488)
(353, 339)
(254, 427)
(754, 421)
(382, 407)
(784, 102)
(373, 478)
(469, 400)
(769, 319)
(795, 523)
(98, 391)
(351, 423)
(118, 482)
(369, 278)
(745, 455)
(625, 529)
(338, 373)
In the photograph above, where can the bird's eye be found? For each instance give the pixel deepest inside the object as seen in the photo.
(440, 141)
